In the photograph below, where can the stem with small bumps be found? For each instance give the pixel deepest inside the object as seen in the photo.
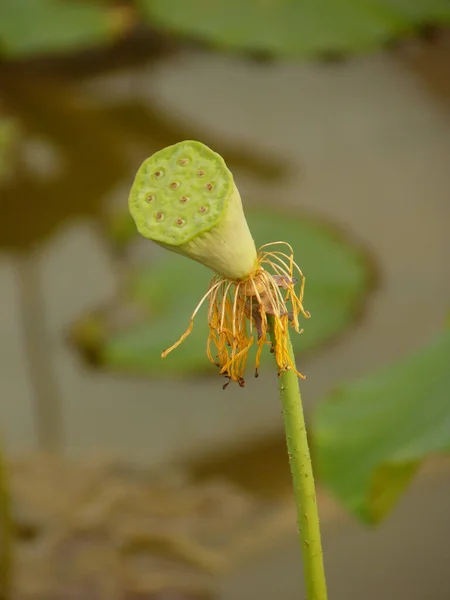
(303, 480)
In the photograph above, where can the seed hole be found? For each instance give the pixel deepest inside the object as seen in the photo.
(183, 161)
(181, 222)
(159, 216)
(174, 185)
(209, 187)
(184, 199)
(159, 174)
(200, 172)
(150, 198)
(203, 209)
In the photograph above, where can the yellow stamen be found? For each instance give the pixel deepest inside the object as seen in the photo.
(191, 324)
(237, 308)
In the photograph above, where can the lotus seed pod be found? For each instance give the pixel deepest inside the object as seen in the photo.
(184, 198)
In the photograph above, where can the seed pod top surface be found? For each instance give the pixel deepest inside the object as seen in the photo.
(180, 192)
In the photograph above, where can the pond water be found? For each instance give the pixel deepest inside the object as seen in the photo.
(363, 145)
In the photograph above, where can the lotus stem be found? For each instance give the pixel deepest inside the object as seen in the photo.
(302, 478)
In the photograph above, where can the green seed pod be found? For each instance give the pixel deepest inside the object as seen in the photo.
(184, 198)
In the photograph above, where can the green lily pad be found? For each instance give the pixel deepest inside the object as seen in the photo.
(164, 295)
(41, 26)
(295, 27)
(371, 435)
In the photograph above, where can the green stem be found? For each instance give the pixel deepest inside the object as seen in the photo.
(5, 532)
(303, 480)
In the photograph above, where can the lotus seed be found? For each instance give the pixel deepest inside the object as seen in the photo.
(175, 183)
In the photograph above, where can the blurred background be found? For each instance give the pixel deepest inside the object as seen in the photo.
(125, 476)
